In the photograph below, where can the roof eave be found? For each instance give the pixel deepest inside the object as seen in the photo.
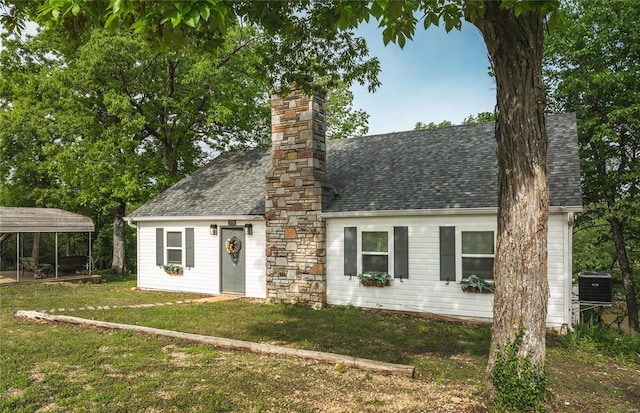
(195, 218)
(429, 212)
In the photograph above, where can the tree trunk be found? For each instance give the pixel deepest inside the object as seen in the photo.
(35, 248)
(67, 239)
(118, 260)
(627, 274)
(4, 237)
(520, 266)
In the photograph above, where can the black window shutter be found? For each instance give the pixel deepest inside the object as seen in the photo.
(401, 252)
(159, 247)
(350, 251)
(190, 261)
(447, 253)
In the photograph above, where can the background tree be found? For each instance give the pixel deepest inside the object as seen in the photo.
(594, 70)
(25, 127)
(471, 119)
(342, 120)
(25, 130)
(432, 125)
(111, 105)
(480, 118)
(513, 31)
(114, 101)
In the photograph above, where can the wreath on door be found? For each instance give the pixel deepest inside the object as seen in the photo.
(233, 246)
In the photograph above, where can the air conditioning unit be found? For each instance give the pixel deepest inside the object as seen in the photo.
(595, 288)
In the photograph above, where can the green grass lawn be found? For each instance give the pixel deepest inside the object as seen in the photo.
(62, 368)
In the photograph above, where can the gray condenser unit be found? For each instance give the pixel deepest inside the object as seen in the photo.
(595, 287)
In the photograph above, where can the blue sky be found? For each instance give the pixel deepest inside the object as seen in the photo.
(437, 76)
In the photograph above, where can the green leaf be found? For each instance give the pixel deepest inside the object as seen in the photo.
(192, 18)
(387, 36)
(138, 26)
(435, 20)
(376, 10)
(557, 21)
(448, 25)
(519, 9)
(116, 5)
(204, 11)
(75, 9)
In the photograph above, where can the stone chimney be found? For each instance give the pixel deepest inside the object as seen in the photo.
(295, 191)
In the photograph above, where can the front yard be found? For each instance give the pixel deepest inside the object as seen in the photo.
(61, 368)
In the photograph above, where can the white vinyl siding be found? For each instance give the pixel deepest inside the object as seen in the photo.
(424, 291)
(204, 276)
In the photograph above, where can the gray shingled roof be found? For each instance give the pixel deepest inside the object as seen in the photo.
(231, 184)
(452, 167)
(21, 219)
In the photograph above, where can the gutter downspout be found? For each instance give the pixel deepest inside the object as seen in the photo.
(129, 222)
(569, 283)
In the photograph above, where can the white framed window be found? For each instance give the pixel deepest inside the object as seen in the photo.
(376, 248)
(477, 251)
(174, 247)
(375, 251)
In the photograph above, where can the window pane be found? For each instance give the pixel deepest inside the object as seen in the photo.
(174, 256)
(174, 239)
(375, 241)
(482, 267)
(375, 263)
(477, 242)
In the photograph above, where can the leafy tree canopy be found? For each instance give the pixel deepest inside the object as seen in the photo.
(305, 43)
(594, 71)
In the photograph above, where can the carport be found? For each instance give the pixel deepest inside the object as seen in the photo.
(20, 220)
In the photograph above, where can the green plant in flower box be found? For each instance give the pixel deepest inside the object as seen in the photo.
(375, 279)
(173, 269)
(476, 284)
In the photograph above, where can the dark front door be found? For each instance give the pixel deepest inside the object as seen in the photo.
(232, 253)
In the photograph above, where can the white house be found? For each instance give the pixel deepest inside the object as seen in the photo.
(301, 220)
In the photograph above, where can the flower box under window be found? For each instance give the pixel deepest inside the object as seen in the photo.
(475, 284)
(173, 269)
(375, 279)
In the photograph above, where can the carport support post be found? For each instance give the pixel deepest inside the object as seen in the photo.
(17, 257)
(89, 266)
(56, 255)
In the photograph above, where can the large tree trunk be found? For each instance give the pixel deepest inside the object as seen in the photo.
(520, 267)
(627, 274)
(118, 260)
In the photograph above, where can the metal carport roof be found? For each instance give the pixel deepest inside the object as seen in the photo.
(18, 219)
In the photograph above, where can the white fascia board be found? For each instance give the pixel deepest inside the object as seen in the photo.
(197, 218)
(427, 212)
(571, 209)
(411, 212)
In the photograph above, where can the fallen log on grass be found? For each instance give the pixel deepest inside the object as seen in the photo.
(226, 343)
